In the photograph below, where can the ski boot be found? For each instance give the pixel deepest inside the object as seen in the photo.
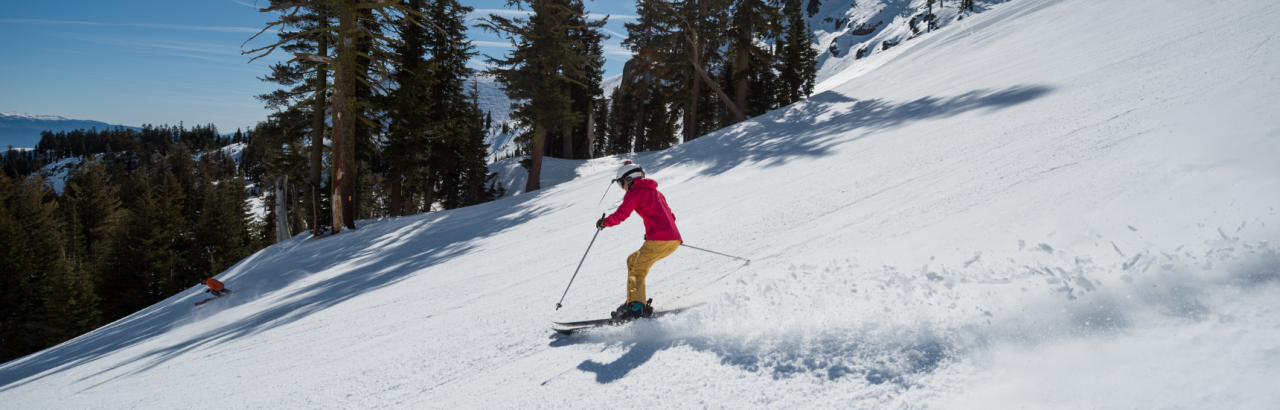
(632, 310)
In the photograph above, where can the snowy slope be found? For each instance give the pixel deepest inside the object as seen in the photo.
(1056, 206)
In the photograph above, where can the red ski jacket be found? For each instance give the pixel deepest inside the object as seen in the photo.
(644, 199)
(214, 284)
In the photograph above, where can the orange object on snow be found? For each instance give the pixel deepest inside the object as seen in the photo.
(214, 284)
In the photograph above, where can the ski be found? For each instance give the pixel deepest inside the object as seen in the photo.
(575, 327)
(212, 298)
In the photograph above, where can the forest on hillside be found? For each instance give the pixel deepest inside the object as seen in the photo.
(139, 216)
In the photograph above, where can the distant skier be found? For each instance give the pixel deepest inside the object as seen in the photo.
(660, 234)
(215, 287)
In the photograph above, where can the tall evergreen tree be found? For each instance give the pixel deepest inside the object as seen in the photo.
(538, 71)
(223, 232)
(697, 41)
(751, 22)
(56, 300)
(798, 60)
(95, 197)
(621, 122)
(457, 162)
(12, 278)
(362, 60)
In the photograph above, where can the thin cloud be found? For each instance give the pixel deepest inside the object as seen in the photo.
(253, 6)
(482, 43)
(478, 13)
(143, 25)
(614, 16)
(481, 13)
(615, 50)
(244, 4)
(147, 43)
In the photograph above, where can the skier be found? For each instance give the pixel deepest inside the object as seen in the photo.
(661, 237)
(215, 287)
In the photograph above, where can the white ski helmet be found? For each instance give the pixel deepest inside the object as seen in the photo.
(628, 171)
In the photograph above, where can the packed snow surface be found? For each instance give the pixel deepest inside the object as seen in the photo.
(1056, 204)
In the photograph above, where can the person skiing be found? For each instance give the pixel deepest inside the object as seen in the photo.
(661, 238)
(215, 287)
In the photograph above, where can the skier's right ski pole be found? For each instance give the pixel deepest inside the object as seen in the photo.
(717, 253)
(575, 271)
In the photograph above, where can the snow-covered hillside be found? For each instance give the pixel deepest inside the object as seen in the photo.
(1060, 204)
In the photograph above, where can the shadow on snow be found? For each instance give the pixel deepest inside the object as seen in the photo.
(813, 127)
(378, 254)
(828, 354)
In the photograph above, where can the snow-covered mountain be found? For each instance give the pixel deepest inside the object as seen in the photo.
(851, 30)
(1059, 204)
(22, 130)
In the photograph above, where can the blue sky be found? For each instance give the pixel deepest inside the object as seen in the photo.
(135, 62)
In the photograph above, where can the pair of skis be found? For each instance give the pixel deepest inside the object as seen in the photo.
(572, 328)
(226, 292)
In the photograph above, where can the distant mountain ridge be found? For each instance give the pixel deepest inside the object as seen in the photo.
(22, 130)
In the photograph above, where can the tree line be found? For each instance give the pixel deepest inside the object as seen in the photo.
(138, 219)
(406, 133)
(696, 66)
(386, 85)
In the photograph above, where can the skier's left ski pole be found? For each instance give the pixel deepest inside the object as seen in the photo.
(606, 192)
(584, 259)
(717, 253)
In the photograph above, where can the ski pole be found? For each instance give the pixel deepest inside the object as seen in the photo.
(717, 253)
(606, 192)
(575, 271)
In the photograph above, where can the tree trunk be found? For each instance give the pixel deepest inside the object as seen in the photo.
(317, 129)
(535, 169)
(691, 114)
(429, 197)
(740, 86)
(282, 210)
(395, 193)
(591, 129)
(568, 133)
(295, 214)
(642, 119)
(344, 120)
(407, 203)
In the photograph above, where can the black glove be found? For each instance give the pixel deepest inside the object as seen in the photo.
(600, 223)
(207, 290)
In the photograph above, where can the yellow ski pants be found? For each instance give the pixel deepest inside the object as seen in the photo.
(638, 265)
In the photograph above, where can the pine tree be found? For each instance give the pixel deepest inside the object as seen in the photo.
(539, 69)
(621, 122)
(362, 60)
(695, 44)
(223, 233)
(457, 162)
(12, 277)
(171, 238)
(70, 303)
(96, 201)
(798, 62)
(601, 131)
(56, 300)
(751, 21)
